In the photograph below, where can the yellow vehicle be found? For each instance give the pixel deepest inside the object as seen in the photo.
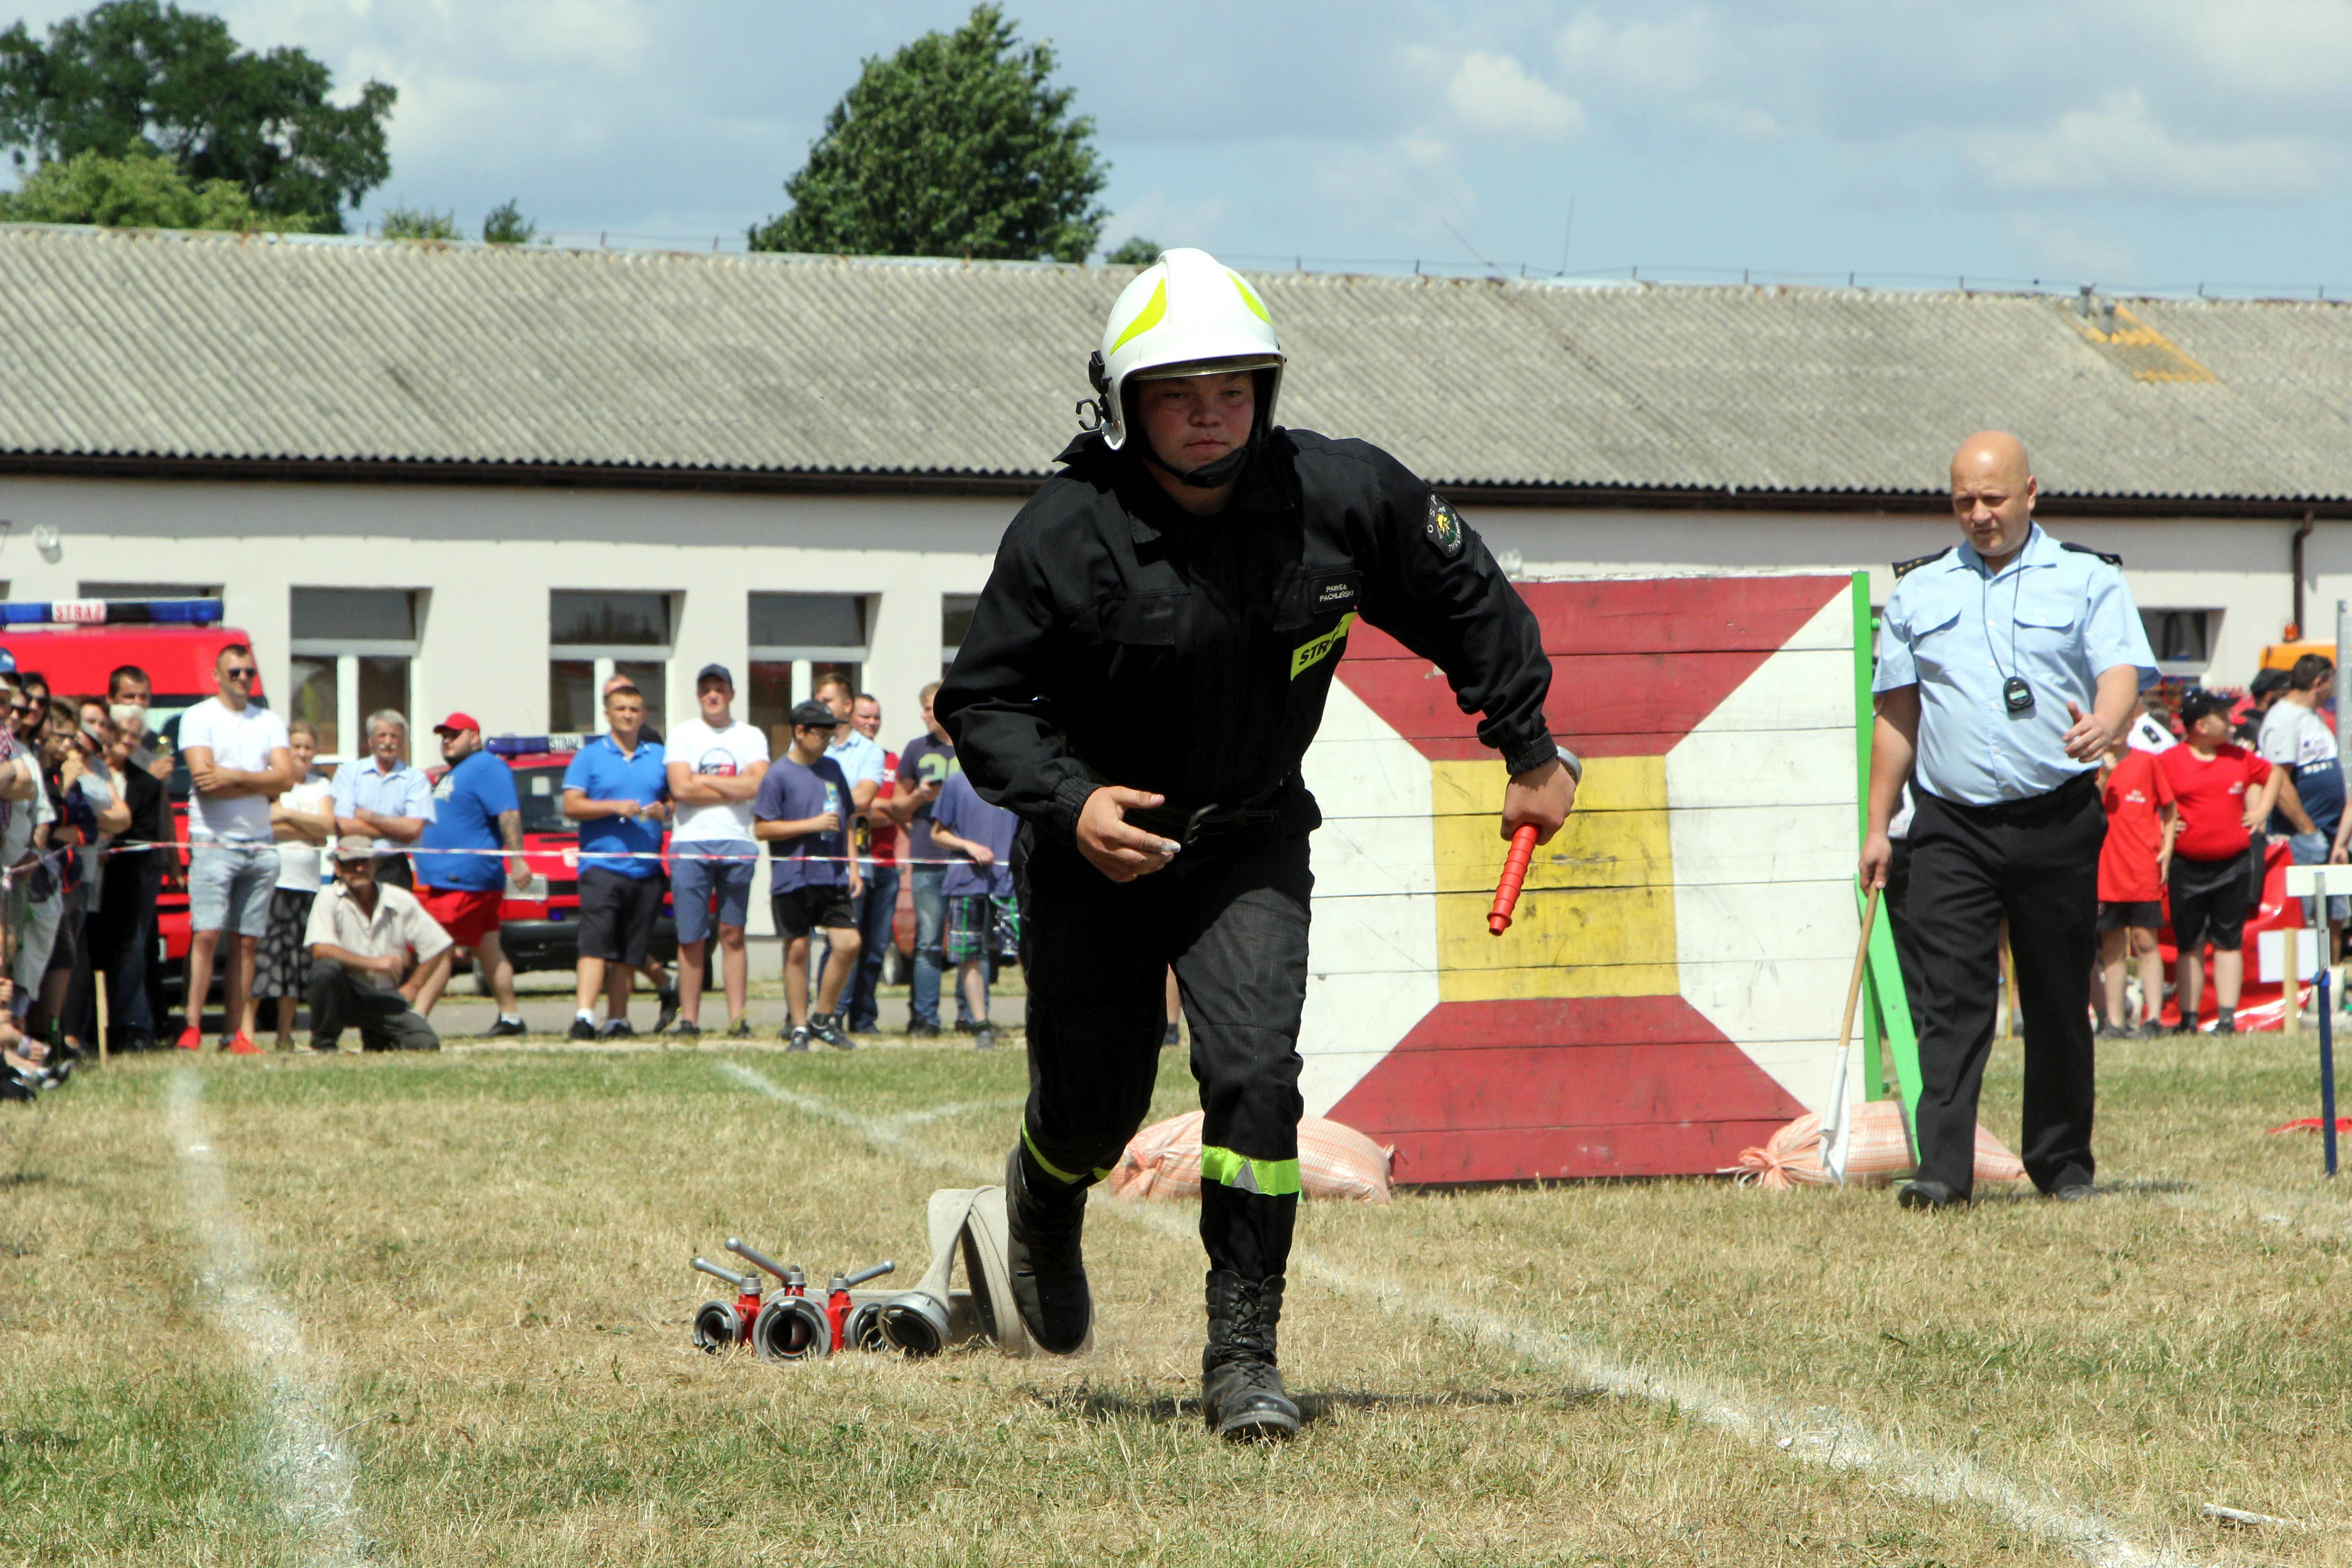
(2282, 655)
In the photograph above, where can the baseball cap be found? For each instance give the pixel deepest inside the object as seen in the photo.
(457, 722)
(354, 846)
(2200, 702)
(713, 672)
(813, 714)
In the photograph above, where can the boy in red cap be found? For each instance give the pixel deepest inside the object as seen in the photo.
(2224, 792)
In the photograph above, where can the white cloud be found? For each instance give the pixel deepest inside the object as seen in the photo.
(1408, 188)
(1157, 217)
(2290, 47)
(1494, 94)
(2067, 248)
(1671, 58)
(2118, 149)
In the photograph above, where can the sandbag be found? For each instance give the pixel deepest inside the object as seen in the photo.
(1163, 1160)
(1876, 1148)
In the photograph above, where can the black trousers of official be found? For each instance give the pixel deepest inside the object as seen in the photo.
(2035, 862)
(1233, 920)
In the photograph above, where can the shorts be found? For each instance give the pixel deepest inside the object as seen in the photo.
(2142, 914)
(703, 872)
(229, 887)
(2208, 903)
(802, 909)
(467, 914)
(2312, 850)
(979, 924)
(617, 915)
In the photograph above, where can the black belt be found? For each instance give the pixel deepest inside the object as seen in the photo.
(2067, 794)
(1207, 822)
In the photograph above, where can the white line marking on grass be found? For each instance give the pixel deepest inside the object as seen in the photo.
(1820, 1436)
(307, 1469)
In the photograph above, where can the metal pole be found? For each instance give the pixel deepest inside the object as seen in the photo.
(2326, 1074)
(2343, 683)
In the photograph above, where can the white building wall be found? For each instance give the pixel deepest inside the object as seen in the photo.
(2237, 567)
(488, 556)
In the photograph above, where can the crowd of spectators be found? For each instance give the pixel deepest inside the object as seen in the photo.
(353, 892)
(2195, 798)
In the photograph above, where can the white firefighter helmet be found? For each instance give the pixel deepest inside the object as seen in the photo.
(1186, 314)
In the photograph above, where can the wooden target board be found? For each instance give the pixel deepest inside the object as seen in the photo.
(1669, 991)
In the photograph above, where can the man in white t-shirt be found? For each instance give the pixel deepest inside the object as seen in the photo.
(2311, 810)
(715, 767)
(238, 762)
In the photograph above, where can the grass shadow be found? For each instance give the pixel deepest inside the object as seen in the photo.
(2128, 1188)
(1107, 1404)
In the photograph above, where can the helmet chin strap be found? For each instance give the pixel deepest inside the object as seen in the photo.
(1210, 476)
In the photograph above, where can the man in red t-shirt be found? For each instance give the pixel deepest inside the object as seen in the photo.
(2133, 865)
(2223, 791)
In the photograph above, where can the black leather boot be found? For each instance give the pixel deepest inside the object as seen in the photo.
(1044, 1220)
(1242, 1396)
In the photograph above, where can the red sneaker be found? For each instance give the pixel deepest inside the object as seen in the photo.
(241, 1045)
(191, 1040)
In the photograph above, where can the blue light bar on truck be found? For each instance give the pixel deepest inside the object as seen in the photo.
(532, 745)
(111, 611)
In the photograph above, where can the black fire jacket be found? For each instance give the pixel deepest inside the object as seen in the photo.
(1123, 640)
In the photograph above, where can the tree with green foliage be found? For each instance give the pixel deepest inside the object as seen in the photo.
(140, 77)
(1136, 251)
(956, 145)
(138, 191)
(417, 223)
(505, 224)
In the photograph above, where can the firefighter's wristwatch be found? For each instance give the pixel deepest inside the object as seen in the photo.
(1573, 763)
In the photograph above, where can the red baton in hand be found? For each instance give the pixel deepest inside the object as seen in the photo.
(1515, 872)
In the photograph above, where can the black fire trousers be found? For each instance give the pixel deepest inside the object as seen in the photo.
(1233, 920)
(2035, 861)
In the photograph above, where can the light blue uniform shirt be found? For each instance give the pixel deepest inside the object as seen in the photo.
(2056, 616)
(361, 785)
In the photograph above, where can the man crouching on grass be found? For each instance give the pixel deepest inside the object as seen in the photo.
(360, 936)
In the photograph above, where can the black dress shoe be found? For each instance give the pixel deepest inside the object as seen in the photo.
(1928, 1195)
(2074, 1193)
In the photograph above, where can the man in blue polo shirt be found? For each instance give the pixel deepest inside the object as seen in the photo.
(616, 789)
(475, 810)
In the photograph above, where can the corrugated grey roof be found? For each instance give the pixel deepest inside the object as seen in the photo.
(139, 345)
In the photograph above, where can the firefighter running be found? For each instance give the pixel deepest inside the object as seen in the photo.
(1142, 677)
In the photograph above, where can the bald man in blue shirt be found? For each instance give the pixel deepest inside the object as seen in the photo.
(2007, 666)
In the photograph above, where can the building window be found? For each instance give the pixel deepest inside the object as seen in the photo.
(351, 651)
(796, 640)
(2183, 639)
(592, 638)
(955, 624)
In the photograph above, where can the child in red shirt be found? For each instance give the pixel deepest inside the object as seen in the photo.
(2223, 791)
(2132, 864)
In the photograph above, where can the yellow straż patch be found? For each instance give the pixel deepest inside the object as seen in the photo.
(1308, 655)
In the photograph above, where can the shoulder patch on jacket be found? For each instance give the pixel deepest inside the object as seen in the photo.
(1903, 568)
(2086, 550)
(1444, 527)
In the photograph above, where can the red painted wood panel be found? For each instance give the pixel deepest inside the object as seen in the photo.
(1561, 1021)
(1661, 694)
(1534, 1082)
(1519, 1154)
(1696, 615)
(1564, 1085)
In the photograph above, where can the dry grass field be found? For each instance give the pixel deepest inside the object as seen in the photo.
(433, 1311)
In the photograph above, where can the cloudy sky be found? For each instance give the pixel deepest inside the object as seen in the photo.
(2148, 142)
